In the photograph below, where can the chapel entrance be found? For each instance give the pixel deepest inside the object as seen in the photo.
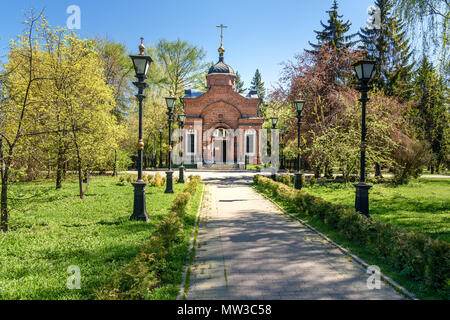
(221, 143)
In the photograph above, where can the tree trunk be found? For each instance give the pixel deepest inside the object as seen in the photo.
(317, 172)
(378, 170)
(80, 179)
(59, 168)
(4, 199)
(115, 164)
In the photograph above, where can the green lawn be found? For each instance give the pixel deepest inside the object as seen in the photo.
(52, 230)
(423, 205)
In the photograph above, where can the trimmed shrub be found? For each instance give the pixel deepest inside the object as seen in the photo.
(412, 254)
(150, 269)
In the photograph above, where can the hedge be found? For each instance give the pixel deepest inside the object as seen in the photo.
(412, 254)
(149, 269)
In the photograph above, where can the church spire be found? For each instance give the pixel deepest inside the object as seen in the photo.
(221, 49)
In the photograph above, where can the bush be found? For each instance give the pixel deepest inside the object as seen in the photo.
(149, 270)
(312, 181)
(410, 158)
(412, 254)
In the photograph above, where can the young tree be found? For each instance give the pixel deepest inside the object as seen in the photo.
(258, 85)
(20, 79)
(239, 83)
(335, 32)
(389, 47)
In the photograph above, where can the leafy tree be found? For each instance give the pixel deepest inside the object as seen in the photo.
(430, 112)
(389, 47)
(239, 83)
(431, 18)
(20, 108)
(258, 85)
(335, 32)
(181, 64)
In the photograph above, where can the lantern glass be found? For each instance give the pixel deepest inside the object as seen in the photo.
(364, 69)
(299, 105)
(274, 121)
(170, 103)
(182, 118)
(141, 64)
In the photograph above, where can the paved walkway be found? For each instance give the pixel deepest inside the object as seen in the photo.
(247, 250)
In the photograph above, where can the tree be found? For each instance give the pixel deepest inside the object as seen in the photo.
(431, 17)
(258, 85)
(181, 66)
(20, 108)
(118, 70)
(239, 83)
(335, 32)
(430, 112)
(389, 47)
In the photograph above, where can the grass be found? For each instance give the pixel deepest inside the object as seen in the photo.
(423, 205)
(53, 229)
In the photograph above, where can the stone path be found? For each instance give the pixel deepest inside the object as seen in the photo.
(247, 250)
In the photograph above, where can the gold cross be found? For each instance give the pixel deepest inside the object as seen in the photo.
(221, 33)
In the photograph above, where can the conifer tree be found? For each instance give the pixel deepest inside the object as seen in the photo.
(258, 85)
(387, 44)
(431, 112)
(239, 83)
(335, 32)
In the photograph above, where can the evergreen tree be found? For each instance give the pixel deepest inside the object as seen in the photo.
(431, 111)
(258, 85)
(335, 32)
(239, 83)
(389, 47)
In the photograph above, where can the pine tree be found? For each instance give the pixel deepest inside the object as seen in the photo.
(335, 32)
(258, 85)
(431, 111)
(389, 47)
(239, 83)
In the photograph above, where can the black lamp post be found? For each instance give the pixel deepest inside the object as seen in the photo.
(182, 119)
(364, 70)
(299, 105)
(141, 64)
(170, 106)
(161, 130)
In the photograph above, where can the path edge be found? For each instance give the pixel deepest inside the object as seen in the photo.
(355, 258)
(191, 246)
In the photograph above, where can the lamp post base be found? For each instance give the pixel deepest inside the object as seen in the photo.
(298, 181)
(181, 175)
(362, 198)
(169, 182)
(139, 211)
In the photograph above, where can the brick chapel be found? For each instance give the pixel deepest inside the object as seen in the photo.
(222, 126)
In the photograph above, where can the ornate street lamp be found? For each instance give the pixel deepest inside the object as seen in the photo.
(141, 64)
(364, 71)
(170, 102)
(299, 105)
(182, 120)
(161, 130)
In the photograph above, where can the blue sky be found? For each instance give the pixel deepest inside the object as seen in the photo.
(261, 33)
